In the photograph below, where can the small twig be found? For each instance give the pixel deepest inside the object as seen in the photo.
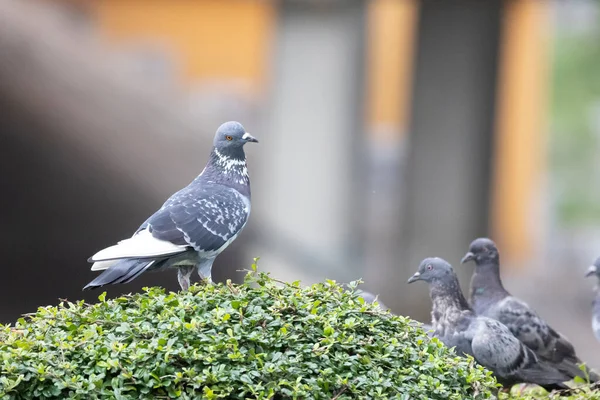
(338, 394)
(285, 283)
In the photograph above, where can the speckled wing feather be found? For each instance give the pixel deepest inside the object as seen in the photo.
(206, 217)
(536, 334)
(497, 348)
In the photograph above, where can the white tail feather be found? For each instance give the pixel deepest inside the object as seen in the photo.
(102, 265)
(142, 245)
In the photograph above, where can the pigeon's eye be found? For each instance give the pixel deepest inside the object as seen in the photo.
(228, 137)
(429, 267)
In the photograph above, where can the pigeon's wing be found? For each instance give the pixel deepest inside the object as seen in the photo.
(496, 348)
(532, 330)
(536, 334)
(175, 199)
(455, 334)
(205, 217)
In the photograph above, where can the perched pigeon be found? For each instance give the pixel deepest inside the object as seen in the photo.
(490, 342)
(427, 328)
(193, 226)
(489, 298)
(594, 270)
(369, 297)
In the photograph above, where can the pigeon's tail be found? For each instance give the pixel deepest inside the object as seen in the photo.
(560, 388)
(123, 271)
(594, 377)
(573, 368)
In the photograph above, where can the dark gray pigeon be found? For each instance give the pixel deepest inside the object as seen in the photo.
(193, 226)
(488, 297)
(594, 270)
(489, 342)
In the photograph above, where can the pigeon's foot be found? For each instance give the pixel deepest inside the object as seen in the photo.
(206, 281)
(522, 388)
(183, 277)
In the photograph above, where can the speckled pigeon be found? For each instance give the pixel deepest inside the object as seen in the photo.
(193, 226)
(489, 298)
(490, 342)
(594, 270)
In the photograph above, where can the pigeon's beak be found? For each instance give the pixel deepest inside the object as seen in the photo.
(468, 257)
(591, 271)
(414, 278)
(249, 138)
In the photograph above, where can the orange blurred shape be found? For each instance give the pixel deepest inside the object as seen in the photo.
(212, 39)
(520, 129)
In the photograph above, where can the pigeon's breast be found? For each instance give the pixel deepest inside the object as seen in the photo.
(236, 225)
(596, 320)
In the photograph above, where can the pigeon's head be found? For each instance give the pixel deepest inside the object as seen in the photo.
(594, 269)
(232, 136)
(432, 270)
(482, 251)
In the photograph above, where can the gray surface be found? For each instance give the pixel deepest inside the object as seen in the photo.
(445, 201)
(308, 193)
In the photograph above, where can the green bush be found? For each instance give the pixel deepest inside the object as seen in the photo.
(259, 340)
(519, 392)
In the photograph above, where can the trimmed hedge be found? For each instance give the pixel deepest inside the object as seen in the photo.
(263, 339)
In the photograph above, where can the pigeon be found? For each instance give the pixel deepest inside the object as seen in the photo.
(594, 270)
(369, 297)
(193, 226)
(427, 328)
(490, 342)
(489, 298)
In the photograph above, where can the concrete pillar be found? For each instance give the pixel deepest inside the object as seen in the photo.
(307, 200)
(448, 167)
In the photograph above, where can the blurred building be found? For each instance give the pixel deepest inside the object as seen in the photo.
(390, 130)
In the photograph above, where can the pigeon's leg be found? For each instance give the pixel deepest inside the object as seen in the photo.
(183, 277)
(204, 270)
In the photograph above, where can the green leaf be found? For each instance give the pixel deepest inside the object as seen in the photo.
(283, 341)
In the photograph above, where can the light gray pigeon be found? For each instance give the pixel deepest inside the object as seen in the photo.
(489, 342)
(193, 226)
(594, 270)
(489, 298)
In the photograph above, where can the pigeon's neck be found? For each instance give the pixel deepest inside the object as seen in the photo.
(449, 304)
(486, 286)
(229, 169)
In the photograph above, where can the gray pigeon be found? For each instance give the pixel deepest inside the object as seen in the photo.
(594, 270)
(489, 298)
(193, 226)
(369, 297)
(426, 327)
(489, 342)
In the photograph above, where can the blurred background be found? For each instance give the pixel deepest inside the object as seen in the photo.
(390, 130)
